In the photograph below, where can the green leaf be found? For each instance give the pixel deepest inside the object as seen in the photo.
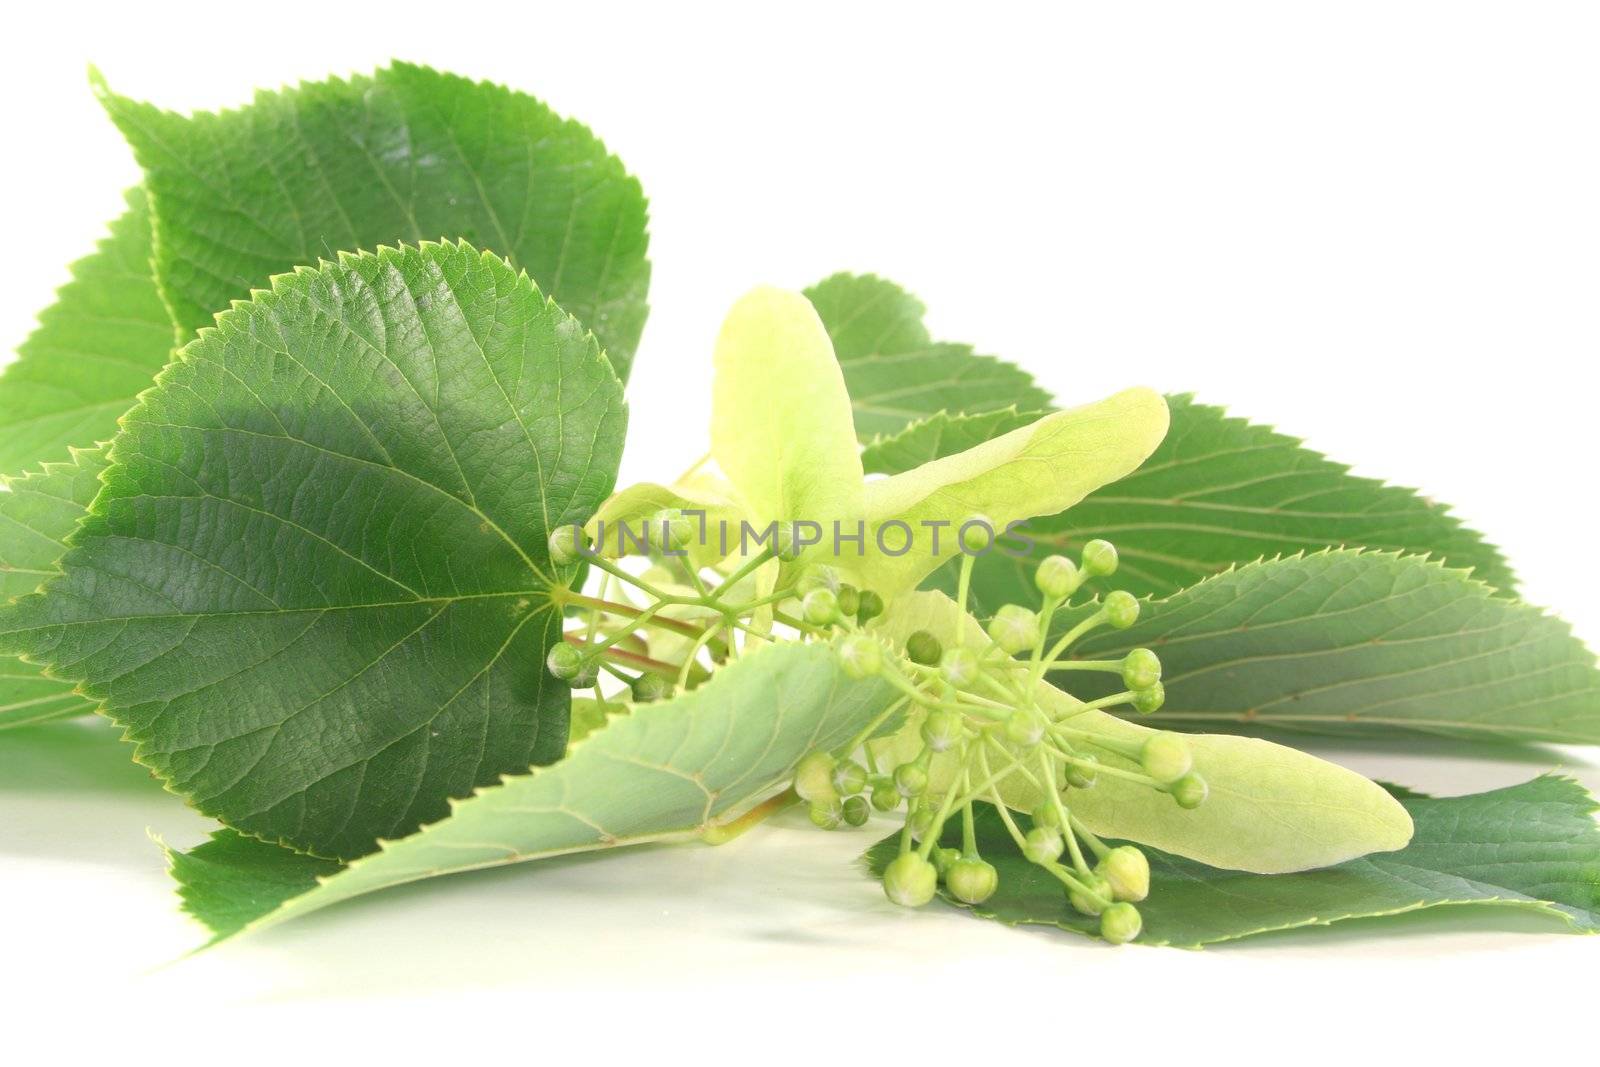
(665, 772)
(896, 373)
(589, 715)
(941, 435)
(99, 344)
(1039, 469)
(1221, 491)
(37, 511)
(780, 417)
(405, 155)
(1362, 643)
(314, 588)
(1271, 809)
(1534, 847)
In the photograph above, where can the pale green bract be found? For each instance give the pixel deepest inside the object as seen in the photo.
(1271, 809)
(665, 772)
(37, 512)
(315, 587)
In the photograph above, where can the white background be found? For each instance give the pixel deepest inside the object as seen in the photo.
(1374, 225)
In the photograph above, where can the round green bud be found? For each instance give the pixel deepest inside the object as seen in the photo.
(1121, 608)
(648, 688)
(1141, 669)
(960, 667)
(1120, 923)
(565, 661)
(1080, 775)
(861, 656)
(813, 778)
(1126, 871)
(849, 600)
(566, 544)
(924, 648)
(1057, 577)
(1014, 628)
(817, 576)
(587, 678)
(1048, 816)
(1083, 900)
(825, 815)
(856, 811)
(1166, 757)
(1100, 558)
(675, 529)
(976, 535)
(942, 729)
(788, 545)
(1043, 844)
(820, 607)
(944, 859)
(922, 822)
(868, 607)
(1147, 700)
(972, 880)
(1025, 727)
(1190, 791)
(910, 880)
(849, 778)
(885, 797)
(910, 780)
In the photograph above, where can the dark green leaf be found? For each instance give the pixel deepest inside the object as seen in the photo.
(896, 373)
(1534, 847)
(99, 344)
(1361, 643)
(407, 154)
(315, 588)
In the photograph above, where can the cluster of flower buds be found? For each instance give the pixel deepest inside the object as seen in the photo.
(986, 737)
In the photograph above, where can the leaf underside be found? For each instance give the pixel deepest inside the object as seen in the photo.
(314, 589)
(405, 155)
(1534, 847)
(663, 772)
(101, 342)
(896, 373)
(1358, 643)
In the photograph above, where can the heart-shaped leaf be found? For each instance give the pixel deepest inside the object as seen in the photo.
(314, 588)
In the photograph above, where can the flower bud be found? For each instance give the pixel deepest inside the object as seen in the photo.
(826, 815)
(1080, 775)
(910, 780)
(648, 688)
(976, 535)
(677, 532)
(1127, 871)
(1014, 628)
(566, 544)
(817, 576)
(1100, 558)
(1190, 791)
(1047, 815)
(1121, 608)
(1166, 757)
(1147, 700)
(1057, 577)
(885, 797)
(849, 600)
(942, 729)
(960, 667)
(813, 778)
(1025, 727)
(1141, 669)
(1043, 844)
(922, 822)
(868, 607)
(820, 607)
(1120, 923)
(856, 811)
(786, 544)
(564, 661)
(944, 859)
(910, 880)
(861, 656)
(924, 648)
(1083, 900)
(849, 778)
(971, 880)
